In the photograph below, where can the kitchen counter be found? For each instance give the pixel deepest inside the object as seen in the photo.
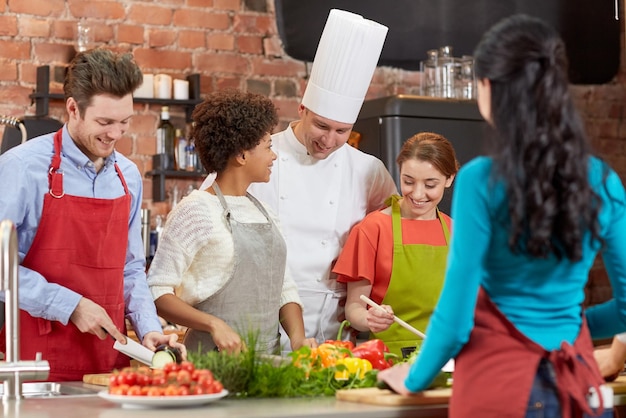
(322, 407)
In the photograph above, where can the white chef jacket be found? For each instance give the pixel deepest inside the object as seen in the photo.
(318, 202)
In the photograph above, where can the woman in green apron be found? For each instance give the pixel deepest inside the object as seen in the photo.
(397, 256)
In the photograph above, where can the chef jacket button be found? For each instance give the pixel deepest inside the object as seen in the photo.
(324, 242)
(283, 197)
(332, 202)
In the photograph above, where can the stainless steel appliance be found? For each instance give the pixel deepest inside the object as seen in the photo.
(385, 123)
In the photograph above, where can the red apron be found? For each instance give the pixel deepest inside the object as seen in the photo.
(80, 244)
(495, 370)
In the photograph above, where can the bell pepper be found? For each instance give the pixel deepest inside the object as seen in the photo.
(376, 352)
(330, 353)
(338, 342)
(351, 366)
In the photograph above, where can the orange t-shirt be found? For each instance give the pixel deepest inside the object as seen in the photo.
(368, 252)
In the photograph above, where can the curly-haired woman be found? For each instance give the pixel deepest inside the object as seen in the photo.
(220, 266)
(529, 222)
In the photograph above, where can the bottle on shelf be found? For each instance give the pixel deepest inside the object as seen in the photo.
(192, 158)
(180, 150)
(165, 139)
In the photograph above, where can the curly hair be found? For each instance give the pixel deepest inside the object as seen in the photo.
(100, 71)
(542, 151)
(433, 148)
(228, 122)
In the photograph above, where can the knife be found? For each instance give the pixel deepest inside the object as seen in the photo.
(133, 350)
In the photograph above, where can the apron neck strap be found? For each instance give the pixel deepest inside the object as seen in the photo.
(55, 176)
(396, 221)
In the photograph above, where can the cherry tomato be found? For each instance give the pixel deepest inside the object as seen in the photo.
(114, 380)
(154, 391)
(128, 377)
(171, 390)
(196, 390)
(159, 380)
(183, 377)
(187, 365)
(134, 390)
(183, 391)
(171, 367)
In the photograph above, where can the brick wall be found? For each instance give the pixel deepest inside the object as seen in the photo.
(231, 43)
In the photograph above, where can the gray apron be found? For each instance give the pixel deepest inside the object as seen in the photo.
(250, 300)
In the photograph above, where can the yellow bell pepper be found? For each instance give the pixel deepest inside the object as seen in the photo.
(351, 366)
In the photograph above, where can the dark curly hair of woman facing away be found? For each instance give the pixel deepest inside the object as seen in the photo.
(543, 151)
(228, 122)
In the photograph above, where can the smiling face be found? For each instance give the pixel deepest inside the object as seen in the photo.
(321, 136)
(104, 122)
(259, 160)
(422, 187)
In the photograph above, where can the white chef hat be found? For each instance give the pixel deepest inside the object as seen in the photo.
(344, 63)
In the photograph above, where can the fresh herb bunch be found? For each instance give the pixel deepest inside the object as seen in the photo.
(249, 374)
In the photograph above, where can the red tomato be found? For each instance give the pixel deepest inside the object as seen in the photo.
(113, 380)
(187, 365)
(183, 391)
(144, 390)
(134, 390)
(171, 367)
(196, 390)
(154, 391)
(183, 377)
(158, 380)
(216, 387)
(144, 379)
(119, 390)
(205, 382)
(128, 377)
(170, 390)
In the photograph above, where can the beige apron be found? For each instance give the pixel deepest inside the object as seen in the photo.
(417, 275)
(250, 300)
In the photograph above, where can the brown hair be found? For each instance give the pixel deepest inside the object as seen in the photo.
(100, 71)
(433, 148)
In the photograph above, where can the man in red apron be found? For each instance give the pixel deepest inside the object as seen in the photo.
(76, 204)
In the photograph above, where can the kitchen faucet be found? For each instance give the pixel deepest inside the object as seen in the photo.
(12, 370)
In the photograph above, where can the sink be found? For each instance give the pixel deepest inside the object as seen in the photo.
(55, 389)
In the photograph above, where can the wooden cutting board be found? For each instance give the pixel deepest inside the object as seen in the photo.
(618, 385)
(101, 379)
(377, 396)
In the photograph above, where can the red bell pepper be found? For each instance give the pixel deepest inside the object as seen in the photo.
(376, 352)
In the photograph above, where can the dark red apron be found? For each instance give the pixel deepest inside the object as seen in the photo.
(495, 370)
(80, 244)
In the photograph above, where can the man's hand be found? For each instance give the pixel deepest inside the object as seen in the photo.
(92, 318)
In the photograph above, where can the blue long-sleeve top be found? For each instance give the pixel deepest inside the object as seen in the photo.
(541, 297)
(23, 185)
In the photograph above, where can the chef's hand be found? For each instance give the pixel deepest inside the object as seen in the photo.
(92, 318)
(379, 320)
(308, 342)
(154, 339)
(611, 359)
(394, 377)
(226, 339)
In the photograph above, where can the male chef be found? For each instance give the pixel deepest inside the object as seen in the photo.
(319, 186)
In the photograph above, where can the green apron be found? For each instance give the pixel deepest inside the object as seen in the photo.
(417, 275)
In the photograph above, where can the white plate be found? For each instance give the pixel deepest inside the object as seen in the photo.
(161, 401)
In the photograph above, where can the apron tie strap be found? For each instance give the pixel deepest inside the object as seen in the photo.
(570, 371)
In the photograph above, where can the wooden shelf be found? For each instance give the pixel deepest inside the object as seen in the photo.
(41, 96)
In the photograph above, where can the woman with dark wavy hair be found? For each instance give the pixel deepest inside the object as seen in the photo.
(529, 222)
